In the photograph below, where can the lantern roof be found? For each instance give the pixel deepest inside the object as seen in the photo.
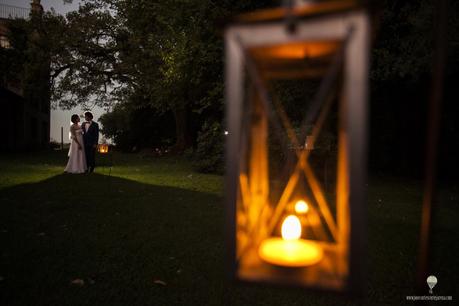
(307, 10)
(295, 59)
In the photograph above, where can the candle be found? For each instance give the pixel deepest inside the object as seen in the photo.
(290, 250)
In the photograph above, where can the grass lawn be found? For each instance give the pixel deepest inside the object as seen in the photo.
(152, 234)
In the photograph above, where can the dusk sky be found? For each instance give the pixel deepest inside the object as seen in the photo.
(59, 118)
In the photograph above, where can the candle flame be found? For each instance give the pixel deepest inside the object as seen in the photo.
(291, 228)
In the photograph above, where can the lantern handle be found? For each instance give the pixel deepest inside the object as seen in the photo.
(290, 19)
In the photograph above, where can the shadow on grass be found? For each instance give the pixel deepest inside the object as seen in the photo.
(141, 244)
(119, 237)
(115, 234)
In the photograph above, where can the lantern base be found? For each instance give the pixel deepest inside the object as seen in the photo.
(329, 273)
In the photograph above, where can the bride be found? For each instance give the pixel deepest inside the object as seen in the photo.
(77, 159)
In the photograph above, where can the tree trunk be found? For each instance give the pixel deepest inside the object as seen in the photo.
(181, 130)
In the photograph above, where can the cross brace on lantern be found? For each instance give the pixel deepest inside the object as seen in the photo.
(324, 99)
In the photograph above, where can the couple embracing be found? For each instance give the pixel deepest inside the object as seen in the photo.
(84, 139)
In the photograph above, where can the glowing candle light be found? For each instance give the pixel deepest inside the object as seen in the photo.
(102, 148)
(301, 207)
(290, 250)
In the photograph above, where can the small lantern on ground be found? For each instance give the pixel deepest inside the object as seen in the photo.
(103, 148)
(283, 227)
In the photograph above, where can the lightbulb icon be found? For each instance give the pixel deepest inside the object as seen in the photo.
(431, 282)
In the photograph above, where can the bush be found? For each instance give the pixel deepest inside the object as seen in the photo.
(209, 154)
(134, 129)
(54, 145)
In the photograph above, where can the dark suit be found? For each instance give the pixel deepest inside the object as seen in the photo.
(90, 139)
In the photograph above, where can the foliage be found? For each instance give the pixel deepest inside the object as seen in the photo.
(134, 128)
(87, 69)
(27, 63)
(12, 59)
(402, 59)
(403, 47)
(208, 156)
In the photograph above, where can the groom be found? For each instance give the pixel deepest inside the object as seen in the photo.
(90, 139)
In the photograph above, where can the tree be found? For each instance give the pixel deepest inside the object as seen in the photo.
(401, 82)
(165, 54)
(87, 67)
(28, 61)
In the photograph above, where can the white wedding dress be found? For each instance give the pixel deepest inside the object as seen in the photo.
(77, 158)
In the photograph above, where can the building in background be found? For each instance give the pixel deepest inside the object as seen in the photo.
(25, 118)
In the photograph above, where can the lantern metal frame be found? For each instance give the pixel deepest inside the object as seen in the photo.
(349, 27)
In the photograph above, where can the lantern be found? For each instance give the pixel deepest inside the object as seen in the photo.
(103, 148)
(282, 225)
